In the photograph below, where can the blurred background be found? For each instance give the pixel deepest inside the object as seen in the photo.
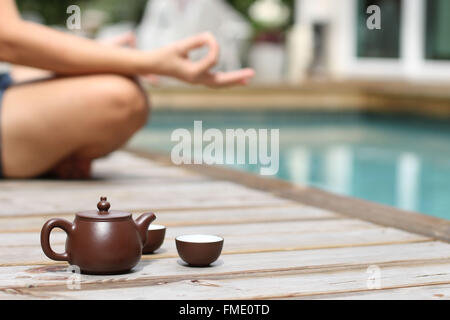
(300, 38)
(362, 112)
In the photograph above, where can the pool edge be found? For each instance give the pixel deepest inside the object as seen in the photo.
(414, 222)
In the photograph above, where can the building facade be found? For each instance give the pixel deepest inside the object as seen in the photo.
(413, 42)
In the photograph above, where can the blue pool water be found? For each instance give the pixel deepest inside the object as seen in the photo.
(395, 160)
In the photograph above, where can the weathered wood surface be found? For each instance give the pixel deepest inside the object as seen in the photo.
(274, 247)
(434, 292)
(200, 216)
(268, 287)
(155, 196)
(322, 235)
(155, 271)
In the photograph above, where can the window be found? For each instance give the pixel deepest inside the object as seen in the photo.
(437, 30)
(384, 42)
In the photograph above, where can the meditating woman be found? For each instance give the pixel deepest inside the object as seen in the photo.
(92, 105)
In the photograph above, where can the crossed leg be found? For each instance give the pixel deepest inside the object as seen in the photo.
(63, 121)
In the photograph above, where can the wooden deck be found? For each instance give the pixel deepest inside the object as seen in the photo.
(281, 241)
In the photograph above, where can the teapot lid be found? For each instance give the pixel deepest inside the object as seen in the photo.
(103, 213)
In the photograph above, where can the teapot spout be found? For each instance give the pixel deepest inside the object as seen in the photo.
(142, 223)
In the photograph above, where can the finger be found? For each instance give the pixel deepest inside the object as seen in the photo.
(221, 79)
(196, 41)
(210, 60)
(226, 79)
(199, 41)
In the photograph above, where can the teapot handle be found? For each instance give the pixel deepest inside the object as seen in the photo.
(45, 238)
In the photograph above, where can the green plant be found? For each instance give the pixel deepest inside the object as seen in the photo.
(55, 11)
(52, 11)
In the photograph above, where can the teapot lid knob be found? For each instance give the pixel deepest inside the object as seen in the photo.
(103, 206)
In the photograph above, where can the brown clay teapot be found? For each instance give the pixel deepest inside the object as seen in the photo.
(100, 242)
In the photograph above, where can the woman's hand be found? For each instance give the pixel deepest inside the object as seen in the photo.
(173, 60)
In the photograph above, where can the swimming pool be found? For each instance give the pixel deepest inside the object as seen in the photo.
(395, 160)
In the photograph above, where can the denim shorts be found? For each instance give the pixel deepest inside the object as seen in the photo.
(5, 83)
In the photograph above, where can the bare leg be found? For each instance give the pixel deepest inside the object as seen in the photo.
(48, 123)
(24, 74)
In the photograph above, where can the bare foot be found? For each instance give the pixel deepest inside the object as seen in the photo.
(71, 169)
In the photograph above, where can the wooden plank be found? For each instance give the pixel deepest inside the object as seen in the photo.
(12, 294)
(147, 184)
(156, 271)
(228, 230)
(206, 194)
(373, 212)
(25, 247)
(118, 168)
(269, 286)
(217, 188)
(186, 217)
(27, 251)
(423, 292)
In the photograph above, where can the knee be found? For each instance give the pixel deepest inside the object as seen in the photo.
(127, 102)
(119, 107)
